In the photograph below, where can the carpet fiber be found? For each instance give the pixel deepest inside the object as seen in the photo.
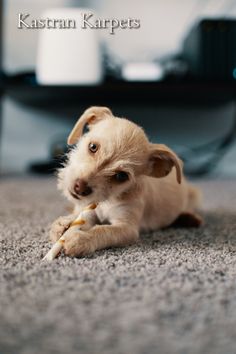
(174, 292)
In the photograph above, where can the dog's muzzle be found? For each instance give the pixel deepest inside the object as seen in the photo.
(81, 189)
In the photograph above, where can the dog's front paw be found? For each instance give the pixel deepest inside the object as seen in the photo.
(59, 226)
(78, 244)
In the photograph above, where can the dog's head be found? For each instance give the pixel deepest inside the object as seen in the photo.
(109, 159)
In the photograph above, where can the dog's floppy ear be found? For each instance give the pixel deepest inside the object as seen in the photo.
(91, 116)
(161, 161)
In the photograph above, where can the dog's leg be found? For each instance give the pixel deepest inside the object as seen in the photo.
(59, 226)
(81, 243)
(188, 219)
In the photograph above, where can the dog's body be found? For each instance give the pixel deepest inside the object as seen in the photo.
(133, 182)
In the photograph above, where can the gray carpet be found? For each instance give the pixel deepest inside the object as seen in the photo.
(174, 292)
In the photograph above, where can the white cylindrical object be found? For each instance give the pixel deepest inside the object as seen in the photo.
(55, 250)
(68, 56)
(86, 219)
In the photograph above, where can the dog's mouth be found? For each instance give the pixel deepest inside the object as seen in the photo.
(74, 195)
(78, 197)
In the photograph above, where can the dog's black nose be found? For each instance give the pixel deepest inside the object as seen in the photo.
(81, 188)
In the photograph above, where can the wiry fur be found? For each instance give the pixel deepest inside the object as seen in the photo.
(152, 198)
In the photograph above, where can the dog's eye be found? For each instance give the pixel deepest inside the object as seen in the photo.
(121, 176)
(93, 147)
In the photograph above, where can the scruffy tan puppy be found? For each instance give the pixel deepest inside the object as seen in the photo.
(138, 185)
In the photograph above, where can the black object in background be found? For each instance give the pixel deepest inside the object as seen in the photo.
(210, 49)
(58, 156)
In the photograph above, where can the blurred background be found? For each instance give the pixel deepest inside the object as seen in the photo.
(175, 76)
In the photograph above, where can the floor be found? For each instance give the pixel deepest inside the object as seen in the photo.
(174, 292)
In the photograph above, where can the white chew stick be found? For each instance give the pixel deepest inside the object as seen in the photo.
(85, 220)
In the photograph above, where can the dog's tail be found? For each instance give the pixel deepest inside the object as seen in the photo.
(194, 197)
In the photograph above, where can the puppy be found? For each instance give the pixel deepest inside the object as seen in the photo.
(139, 185)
